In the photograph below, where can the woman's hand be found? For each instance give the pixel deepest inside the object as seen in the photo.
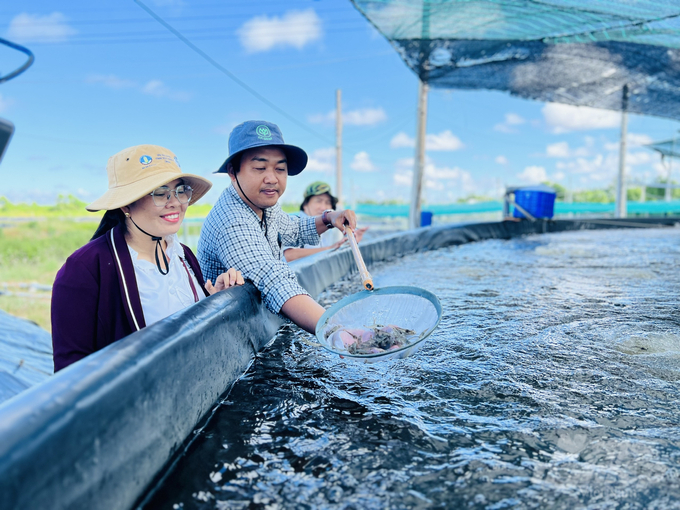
(337, 245)
(359, 233)
(229, 279)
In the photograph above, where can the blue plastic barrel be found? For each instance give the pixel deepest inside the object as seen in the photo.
(539, 201)
(425, 218)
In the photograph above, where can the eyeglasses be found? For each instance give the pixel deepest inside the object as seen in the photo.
(161, 196)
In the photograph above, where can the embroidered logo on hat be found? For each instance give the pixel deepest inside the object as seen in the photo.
(263, 132)
(177, 161)
(145, 160)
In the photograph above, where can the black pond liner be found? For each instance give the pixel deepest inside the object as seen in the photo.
(102, 432)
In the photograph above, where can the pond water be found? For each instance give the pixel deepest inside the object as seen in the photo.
(553, 381)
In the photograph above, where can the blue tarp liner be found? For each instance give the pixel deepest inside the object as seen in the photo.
(98, 434)
(25, 355)
(656, 207)
(565, 51)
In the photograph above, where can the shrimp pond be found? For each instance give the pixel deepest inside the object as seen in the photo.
(552, 381)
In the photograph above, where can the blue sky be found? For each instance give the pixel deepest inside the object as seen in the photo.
(108, 76)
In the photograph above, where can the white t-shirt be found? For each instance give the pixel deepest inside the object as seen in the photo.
(162, 295)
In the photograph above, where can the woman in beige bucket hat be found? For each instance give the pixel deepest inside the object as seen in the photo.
(134, 271)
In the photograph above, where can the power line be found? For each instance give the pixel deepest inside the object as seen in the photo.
(228, 73)
(118, 37)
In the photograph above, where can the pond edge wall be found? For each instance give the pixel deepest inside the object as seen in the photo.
(97, 434)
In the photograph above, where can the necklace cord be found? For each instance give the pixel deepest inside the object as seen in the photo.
(158, 245)
(263, 221)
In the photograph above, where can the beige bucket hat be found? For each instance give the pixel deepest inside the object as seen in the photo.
(137, 171)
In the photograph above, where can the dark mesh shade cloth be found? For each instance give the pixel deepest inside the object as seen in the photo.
(668, 148)
(575, 52)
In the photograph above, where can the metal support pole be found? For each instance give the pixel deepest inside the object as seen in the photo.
(338, 146)
(621, 196)
(419, 164)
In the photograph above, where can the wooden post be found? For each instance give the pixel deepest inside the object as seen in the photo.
(621, 196)
(338, 146)
(419, 164)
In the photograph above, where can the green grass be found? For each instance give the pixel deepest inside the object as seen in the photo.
(34, 251)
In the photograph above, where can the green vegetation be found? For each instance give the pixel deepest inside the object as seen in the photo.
(33, 251)
(67, 206)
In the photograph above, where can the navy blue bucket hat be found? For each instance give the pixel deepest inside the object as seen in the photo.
(259, 133)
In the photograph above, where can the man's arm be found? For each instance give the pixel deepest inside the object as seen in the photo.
(303, 311)
(243, 247)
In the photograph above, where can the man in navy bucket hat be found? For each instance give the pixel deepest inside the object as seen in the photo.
(259, 133)
(247, 228)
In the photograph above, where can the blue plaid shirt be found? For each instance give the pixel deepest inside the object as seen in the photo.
(232, 237)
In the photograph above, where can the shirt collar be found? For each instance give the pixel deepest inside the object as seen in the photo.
(235, 196)
(171, 251)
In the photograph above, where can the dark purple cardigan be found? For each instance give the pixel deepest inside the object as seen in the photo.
(90, 306)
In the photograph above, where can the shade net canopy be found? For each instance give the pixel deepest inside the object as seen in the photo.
(611, 54)
(669, 148)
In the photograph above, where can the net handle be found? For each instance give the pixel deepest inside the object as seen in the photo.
(366, 279)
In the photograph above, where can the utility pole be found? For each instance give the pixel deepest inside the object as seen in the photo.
(338, 145)
(621, 197)
(423, 87)
(419, 166)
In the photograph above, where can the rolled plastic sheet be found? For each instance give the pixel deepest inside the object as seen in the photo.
(410, 308)
(25, 355)
(95, 434)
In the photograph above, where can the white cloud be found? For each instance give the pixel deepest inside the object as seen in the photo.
(558, 176)
(159, 89)
(638, 139)
(295, 28)
(511, 119)
(557, 150)
(322, 160)
(562, 149)
(111, 81)
(401, 139)
(632, 139)
(602, 168)
(563, 118)
(444, 141)
(404, 178)
(362, 163)
(31, 28)
(638, 158)
(363, 117)
(437, 178)
(359, 117)
(152, 87)
(533, 174)
(501, 160)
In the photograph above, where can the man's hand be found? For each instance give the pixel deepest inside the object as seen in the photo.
(229, 279)
(340, 218)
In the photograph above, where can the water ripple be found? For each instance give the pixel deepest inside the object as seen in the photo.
(553, 381)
